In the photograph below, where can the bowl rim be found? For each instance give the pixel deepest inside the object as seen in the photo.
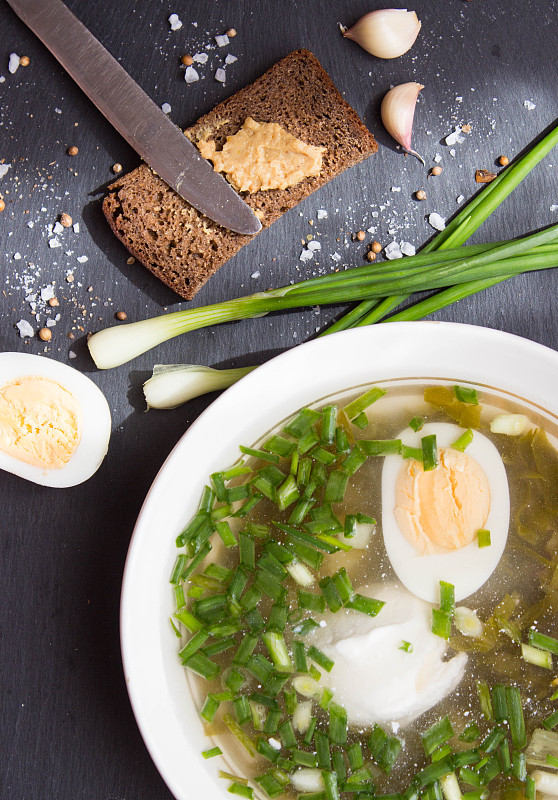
(169, 725)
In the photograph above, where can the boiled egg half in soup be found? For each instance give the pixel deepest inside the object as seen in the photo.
(430, 519)
(54, 422)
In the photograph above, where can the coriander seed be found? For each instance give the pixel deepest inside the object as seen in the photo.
(116, 168)
(420, 195)
(187, 61)
(24, 61)
(73, 151)
(65, 220)
(53, 302)
(370, 255)
(121, 315)
(231, 33)
(360, 236)
(503, 161)
(45, 334)
(2, 205)
(436, 171)
(376, 247)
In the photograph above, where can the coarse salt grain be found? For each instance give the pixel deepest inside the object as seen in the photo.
(437, 158)
(321, 213)
(393, 251)
(335, 257)
(306, 255)
(220, 75)
(396, 188)
(407, 248)
(54, 243)
(554, 208)
(50, 323)
(24, 328)
(71, 354)
(529, 105)
(16, 256)
(47, 292)
(30, 224)
(459, 199)
(3, 169)
(255, 274)
(175, 22)
(13, 63)
(200, 58)
(75, 227)
(314, 245)
(222, 40)
(165, 108)
(82, 259)
(230, 59)
(57, 228)
(454, 137)
(437, 221)
(191, 75)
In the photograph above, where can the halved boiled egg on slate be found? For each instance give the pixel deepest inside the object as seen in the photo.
(54, 422)
(430, 519)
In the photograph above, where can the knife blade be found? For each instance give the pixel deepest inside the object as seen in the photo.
(134, 115)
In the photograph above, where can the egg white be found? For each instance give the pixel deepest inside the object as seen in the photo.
(471, 566)
(95, 422)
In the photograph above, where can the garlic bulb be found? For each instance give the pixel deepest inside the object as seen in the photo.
(386, 33)
(398, 110)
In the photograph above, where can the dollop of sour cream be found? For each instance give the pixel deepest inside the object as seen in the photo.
(389, 668)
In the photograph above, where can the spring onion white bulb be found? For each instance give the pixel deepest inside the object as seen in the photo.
(174, 384)
(398, 111)
(300, 573)
(307, 780)
(307, 686)
(542, 743)
(546, 782)
(467, 622)
(509, 424)
(302, 716)
(385, 33)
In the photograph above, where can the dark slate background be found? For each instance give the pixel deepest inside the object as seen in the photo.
(67, 730)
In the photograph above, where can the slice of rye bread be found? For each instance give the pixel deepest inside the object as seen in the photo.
(183, 247)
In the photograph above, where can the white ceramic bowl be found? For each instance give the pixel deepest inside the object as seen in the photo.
(158, 689)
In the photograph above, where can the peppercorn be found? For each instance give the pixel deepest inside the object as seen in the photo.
(503, 161)
(45, 334)
(121, 315)
(420, 195)
(376, 247)
(436, 171)
(187, 61)
(73, 151)
(65, 220)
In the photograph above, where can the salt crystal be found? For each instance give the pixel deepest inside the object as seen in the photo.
(392, 231)
(50, 323)
(407, 249)
(314, 245)
(2, 79)
(82, 259)
(455, 137)
(529, 105)
(47, 293)
(75, 227)
(165, 108)
(335, 257)
(57, 228)
(306, 255)
(554, 208)
(191, 75)
(255, 274)
(17, 256)
(24, 329)
(437, 158)
(57, 110)
(175, 22)
(459, 199)
(230, 59)
(437, 221)
(3, 169)
(200, 58)
(458, 99)
(13, 63)
(396, 188)
(71, 354)
(54, 243)
(452, 153)
(220, 75)
(372, 229)
(375, 214)
(393, 251)
(321, 213)
(30, 224)
(222, 40)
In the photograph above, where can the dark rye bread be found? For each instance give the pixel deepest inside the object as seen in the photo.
(183, 247)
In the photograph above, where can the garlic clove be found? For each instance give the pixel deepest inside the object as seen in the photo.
(385, 33)
(398, 111)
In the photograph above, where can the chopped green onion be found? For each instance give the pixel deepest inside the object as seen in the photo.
(320, 658)
(470, 733)
(202, 665)
(411, 452)
(429, 452)
(407, 647)
(361, 421)
(361, 403)
(366, 605)
(270, 785)
(465, 394)
(485, 700)
(543, 642)
(540, 658)
(464, 440)
(483, 538)
(416, 424)
(380, 447)
(447, 597)
(436, 735)
(551, 721)
(302, 422)
(441, 623)
(214, 751)
(493, 739)
(275, 643)
(241, 790)
(310, 601)
(515, 717)
(337, 724)
(321, 742)
(552, 761)
(330, 785)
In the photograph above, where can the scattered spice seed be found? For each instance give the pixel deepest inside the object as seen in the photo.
(360, 236)
(53, 302)
(131, 260)
(24, 61)
(503, 161)
(231, 33)
(71, 335)
(370, 255)
(436, 171)
(466, 128)
(116, 168)
(484, 176)
(187, 61)
(121, 315)
(2, 205)
(73, 151)
(65, 220)
(45, 334)
(376, 247)
(420, 195)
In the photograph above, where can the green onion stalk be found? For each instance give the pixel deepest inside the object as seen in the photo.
(443, 264)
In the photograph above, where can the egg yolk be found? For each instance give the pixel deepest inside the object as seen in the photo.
(444, 508)
(40, 422)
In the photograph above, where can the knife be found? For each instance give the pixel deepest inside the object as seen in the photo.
(134, 115)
